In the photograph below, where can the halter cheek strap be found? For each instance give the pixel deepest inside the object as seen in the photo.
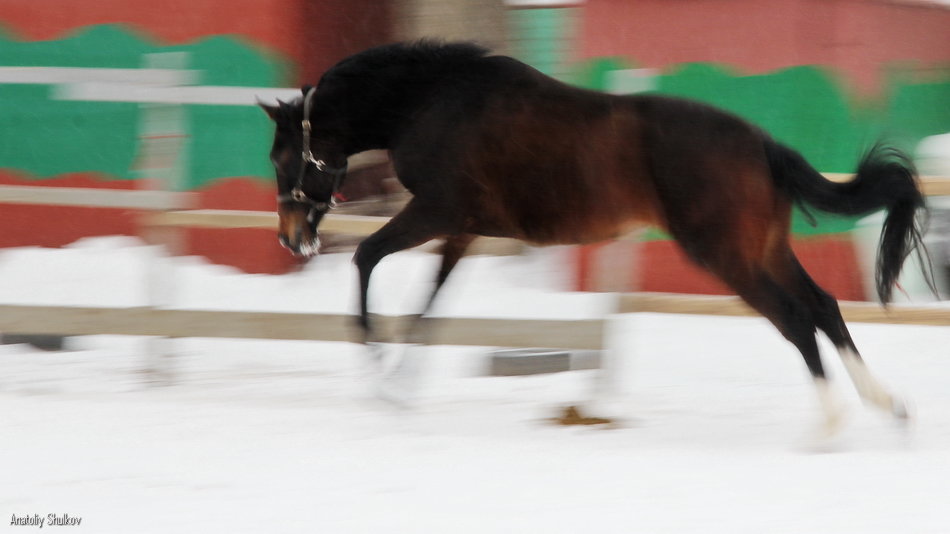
(297, 194)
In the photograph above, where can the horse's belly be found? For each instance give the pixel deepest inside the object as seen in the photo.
(564, 219)
(581, 232)
(611, 229)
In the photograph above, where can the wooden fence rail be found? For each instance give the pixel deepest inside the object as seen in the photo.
(88, 197)
(931, 185)
(859, 312)
(160, 200)
(178, 323)
(584, 334)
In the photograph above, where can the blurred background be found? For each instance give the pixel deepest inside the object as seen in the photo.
(828, 77)
(121, 116)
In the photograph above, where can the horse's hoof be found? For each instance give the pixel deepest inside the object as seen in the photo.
(572, 416)
(372, 359)
(826, 437)
(901, 411)
(394, 396)
(831, 426)
(397, 390)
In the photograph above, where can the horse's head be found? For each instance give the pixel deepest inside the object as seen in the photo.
(310, 166)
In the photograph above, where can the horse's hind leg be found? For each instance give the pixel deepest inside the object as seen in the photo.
(795, 320)
(452, 251)
(828, 318)
(745, 272)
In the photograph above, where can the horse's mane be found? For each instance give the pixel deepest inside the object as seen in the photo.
(425, 54)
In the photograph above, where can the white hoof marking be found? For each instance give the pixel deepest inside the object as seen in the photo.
(869, 388)
(832, 409)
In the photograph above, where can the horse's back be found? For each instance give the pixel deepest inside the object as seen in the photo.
(526, 156)
(540, 160)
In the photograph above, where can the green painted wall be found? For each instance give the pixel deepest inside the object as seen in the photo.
(46, 137)
(806, 108)
(542, 37)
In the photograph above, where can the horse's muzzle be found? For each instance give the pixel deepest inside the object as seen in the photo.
(300, 247)
(298, 234)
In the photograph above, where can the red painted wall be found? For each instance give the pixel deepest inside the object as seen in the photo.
(852, 37)
(55, 226)
(662, 266)
(315, 34)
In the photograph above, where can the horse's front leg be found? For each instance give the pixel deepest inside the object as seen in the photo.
(411, 227)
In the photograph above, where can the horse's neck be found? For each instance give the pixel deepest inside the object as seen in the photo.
(380, 126)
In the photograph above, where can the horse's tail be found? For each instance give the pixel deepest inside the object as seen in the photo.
(886, 179)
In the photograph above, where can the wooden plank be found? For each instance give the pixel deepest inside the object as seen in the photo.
(936, 187)
(860, 312)
(577, 334)
(161, 200)
(123, 77)
(95, 198)
(866, 312)
(357, 225)
(332, 223)
(215, 219)
(265, 220)
(930, 185)
(186, 94)
(143, 321)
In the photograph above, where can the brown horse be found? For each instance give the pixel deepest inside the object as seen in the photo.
(489, 146)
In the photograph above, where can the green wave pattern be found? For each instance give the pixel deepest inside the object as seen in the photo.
(807, 108)
(44, 137)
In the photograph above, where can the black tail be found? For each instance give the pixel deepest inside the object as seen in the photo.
(886, 179)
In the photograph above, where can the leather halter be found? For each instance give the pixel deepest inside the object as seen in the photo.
(297, 194)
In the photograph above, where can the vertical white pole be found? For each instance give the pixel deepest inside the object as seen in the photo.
(162, 166)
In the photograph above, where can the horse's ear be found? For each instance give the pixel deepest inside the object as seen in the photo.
(272, 111)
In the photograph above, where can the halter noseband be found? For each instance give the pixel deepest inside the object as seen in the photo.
(297, 194)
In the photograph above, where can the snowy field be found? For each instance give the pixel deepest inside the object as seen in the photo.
(264, 436)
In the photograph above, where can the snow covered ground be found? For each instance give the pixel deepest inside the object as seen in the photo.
(264, 436)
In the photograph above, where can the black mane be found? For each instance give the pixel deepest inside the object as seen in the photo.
(364, 99)
(413, 56)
